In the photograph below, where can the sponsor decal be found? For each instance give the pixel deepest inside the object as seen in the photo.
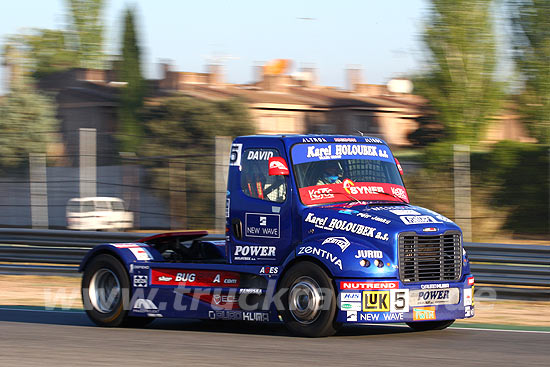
(309, 250)
(399, 300)
(262, 225)
(420, 297)
(350, 297)
(368, 285)
(141, 267)
(376, 301)
(423, 313)
(374, 217)
(375, 317)
(374, 140)
(345, 140)
(224, 299)
(469, 311)
(277, 166)
(219, 301)
(383, 153)
(259, 155)
(350, 306)
(363, 190)
(345, 226)
(195, 278)
(348, 211)
(227, 207)
(141, 280)
(381, 208)
(250, 291)
(434, 286)
(468, 297)
(141, 253)
(439, 216)
(239, 315)
(400, 193)
(235, 156)
(471, 281)
(144, 305)
(422, 219)
(371, 254)
(306, 153)
(321, 153)
(314, 140)
(252, 252)
(404, 212)
(395, 300)
(341, 242)
(320, 193)
(347, 184)
(269, 270)
(351, 316)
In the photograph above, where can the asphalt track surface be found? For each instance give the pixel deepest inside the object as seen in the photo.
(41, 338)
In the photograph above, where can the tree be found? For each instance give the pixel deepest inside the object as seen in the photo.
(130, 130)
(86, 29)
(460, 83)
(184, 128)
(48, 52)
(530, 21)
(27, 123)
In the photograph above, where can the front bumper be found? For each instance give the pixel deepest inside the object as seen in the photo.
(391, 301)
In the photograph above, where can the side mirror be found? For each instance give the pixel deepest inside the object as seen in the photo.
(278, 167)
(399, 166)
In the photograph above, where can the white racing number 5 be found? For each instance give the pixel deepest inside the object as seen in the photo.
(235, 157)
(399, 300)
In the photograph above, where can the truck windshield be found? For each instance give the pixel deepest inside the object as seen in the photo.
(332, 172)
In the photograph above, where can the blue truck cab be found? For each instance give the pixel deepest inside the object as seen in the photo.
(319, 232)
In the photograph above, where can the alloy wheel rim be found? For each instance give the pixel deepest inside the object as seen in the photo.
(305, 300)
(104, 290)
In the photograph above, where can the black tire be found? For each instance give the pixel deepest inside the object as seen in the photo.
(105, 291)
(430, 325)
(306, 311)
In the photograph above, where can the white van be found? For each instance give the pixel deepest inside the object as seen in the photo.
(98, 213)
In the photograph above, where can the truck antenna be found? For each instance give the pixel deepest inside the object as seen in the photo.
(360, 132)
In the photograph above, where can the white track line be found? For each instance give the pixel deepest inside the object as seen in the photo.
(507, 330)
(30, 310)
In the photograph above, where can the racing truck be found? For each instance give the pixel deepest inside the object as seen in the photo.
(319, 233)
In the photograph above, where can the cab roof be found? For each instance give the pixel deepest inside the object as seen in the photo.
(316, 138)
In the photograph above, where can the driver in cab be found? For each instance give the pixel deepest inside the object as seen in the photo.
(332, 173)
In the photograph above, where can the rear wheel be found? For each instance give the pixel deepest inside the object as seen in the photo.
(309, 304)
(105, 291)
(430, 325)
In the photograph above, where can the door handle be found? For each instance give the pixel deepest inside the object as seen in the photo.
(237, 228)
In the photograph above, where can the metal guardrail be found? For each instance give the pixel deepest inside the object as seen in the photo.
(521, 271)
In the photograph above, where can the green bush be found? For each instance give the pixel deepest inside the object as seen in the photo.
(519, 176)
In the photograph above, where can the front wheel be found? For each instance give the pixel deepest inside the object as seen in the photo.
(430, 325)
(309, 301)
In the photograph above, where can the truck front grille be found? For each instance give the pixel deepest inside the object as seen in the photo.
(428, 258)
